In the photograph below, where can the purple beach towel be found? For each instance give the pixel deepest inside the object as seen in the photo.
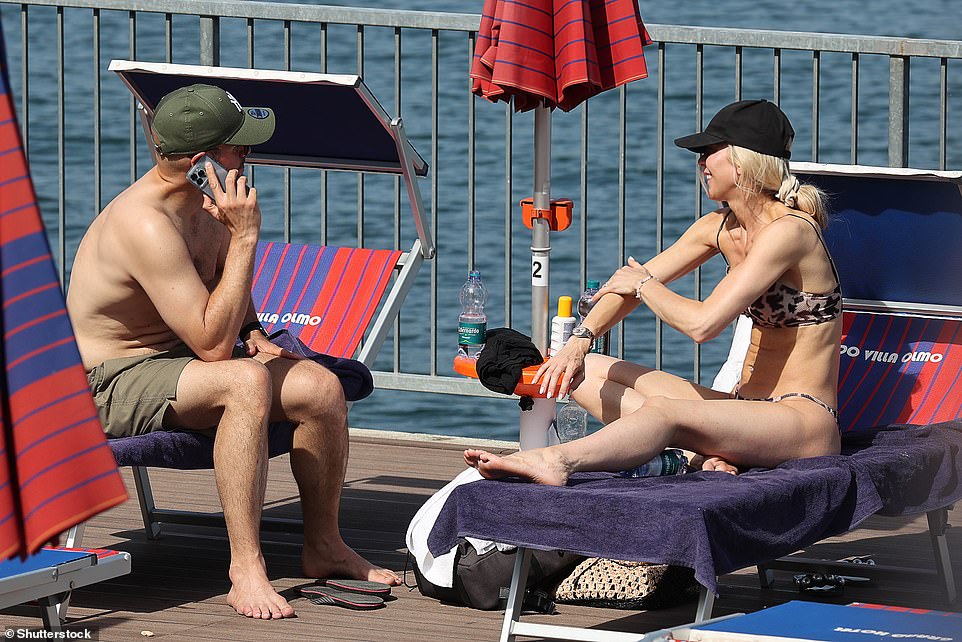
(713, 522)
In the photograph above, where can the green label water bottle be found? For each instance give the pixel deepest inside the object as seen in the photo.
(669, 462)
(472, 322)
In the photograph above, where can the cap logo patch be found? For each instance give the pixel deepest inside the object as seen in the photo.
(234, 101)
(259, 114)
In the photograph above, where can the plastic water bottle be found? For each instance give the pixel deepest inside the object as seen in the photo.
(600, 344)
(669, 462)
(571, 421)
(472, 322)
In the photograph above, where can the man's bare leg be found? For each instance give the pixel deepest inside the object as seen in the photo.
(235, 396)
(312, 397)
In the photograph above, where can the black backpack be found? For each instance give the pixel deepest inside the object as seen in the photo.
(483, 581)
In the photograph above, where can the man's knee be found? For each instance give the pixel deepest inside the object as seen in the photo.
(247, 382)
(317, 388)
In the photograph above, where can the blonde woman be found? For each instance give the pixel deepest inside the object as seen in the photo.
(780, 273)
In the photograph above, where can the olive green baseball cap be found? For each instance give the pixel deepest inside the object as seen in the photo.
(201, 117)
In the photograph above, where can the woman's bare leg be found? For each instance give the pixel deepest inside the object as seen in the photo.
(613, 388)
(744, 433)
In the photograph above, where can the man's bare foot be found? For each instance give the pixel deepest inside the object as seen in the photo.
(252, 595)
(338, 560)
(542, 465)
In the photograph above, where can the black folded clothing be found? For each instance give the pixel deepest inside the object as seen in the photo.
(506, 353)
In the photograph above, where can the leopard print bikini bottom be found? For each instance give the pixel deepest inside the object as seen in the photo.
(776, 399)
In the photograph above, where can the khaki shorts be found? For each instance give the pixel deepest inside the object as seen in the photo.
(132, 394)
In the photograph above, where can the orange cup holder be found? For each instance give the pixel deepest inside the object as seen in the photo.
(468, 368)
(559, 216)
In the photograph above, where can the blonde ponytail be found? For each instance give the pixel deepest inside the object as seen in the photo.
(771, 175)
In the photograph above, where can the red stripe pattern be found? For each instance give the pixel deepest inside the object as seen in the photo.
(899, 369)
(101, 553)
(562, 51)
(326, 296)
(55, 467)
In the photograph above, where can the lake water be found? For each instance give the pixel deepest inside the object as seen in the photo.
(490, 418)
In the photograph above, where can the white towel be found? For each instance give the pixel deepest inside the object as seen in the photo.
(440, 570)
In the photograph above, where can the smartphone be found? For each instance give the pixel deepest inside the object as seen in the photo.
(197, 175)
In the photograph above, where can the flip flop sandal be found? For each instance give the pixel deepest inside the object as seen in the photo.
(364, 587)
(819, 583)
(326, 595)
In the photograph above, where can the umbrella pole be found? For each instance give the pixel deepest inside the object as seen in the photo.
(540, 230)
(536, 423)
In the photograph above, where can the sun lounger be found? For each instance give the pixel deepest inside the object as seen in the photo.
(325, 296)
(53, 573)
(894, 239)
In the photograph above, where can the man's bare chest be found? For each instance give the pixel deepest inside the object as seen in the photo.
(204, 240)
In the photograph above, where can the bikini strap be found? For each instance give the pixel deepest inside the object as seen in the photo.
(718, 236)
(822, 241)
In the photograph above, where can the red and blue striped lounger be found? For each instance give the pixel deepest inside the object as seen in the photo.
(313, 300)
(894, 238)
(335, 305)
(316, 301)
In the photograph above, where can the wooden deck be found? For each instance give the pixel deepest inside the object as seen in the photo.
(177, 586)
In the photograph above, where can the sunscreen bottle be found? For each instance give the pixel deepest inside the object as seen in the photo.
(561, 326)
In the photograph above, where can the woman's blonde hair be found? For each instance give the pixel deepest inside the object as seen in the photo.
(771, 175)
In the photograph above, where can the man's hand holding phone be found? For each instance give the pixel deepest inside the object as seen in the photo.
(228, 198)
(199, 177)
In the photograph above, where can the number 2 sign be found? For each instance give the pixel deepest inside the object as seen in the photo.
(539, 271)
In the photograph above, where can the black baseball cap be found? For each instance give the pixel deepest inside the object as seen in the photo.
(200, 117)
(753, 124)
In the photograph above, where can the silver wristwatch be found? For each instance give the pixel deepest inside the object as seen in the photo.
(583, 333)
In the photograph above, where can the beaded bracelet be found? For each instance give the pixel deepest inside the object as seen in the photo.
(642, 283)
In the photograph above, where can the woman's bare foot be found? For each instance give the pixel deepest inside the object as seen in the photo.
(542, 465)
(719, 465)
(338, 560)
(252, 595)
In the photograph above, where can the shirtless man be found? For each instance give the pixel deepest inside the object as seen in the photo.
(160, 292)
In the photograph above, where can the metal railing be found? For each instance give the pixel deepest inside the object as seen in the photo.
(628, 182)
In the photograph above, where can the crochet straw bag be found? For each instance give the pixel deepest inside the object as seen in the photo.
(618, 584)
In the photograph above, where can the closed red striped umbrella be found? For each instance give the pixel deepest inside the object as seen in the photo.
(56, 469)
(561, 51)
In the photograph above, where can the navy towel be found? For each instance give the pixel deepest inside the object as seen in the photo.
(713, 522)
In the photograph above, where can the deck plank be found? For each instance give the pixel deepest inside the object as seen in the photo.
(177, 586)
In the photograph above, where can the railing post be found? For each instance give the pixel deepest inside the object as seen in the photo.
(898, 111)
(210, 40)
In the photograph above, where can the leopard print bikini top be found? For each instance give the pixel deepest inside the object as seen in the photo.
(782, 306)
